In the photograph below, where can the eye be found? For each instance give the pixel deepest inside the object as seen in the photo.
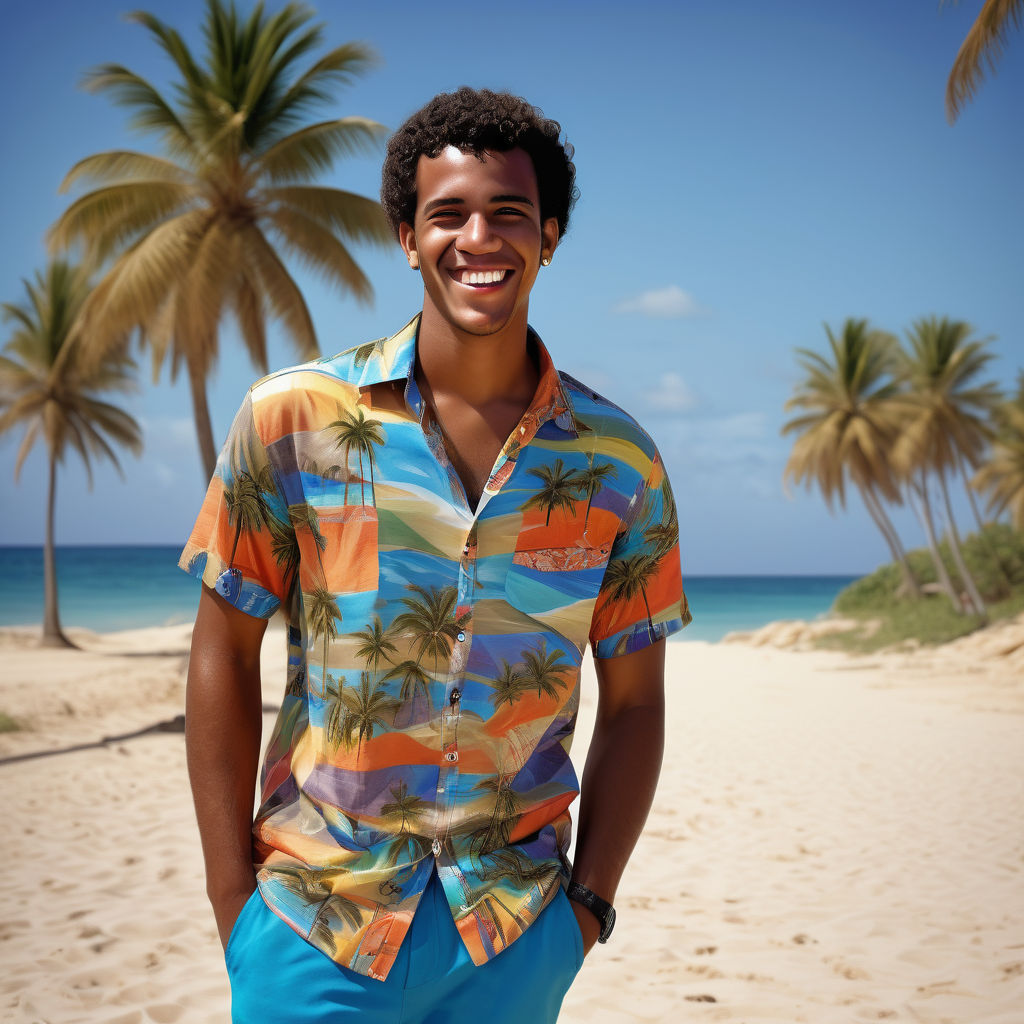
(510, 211)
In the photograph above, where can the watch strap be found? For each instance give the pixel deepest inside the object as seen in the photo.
(601, 909)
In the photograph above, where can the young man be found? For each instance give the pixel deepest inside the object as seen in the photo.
(445, 520)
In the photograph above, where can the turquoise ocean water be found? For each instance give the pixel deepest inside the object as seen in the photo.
(107, 588)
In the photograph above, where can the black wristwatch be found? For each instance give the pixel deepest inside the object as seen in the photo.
(604, 912)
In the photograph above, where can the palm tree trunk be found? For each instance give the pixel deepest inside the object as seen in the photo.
(925, 515)
(204, 426)
(888, 531)
(650, 621)
(53, 635)
(985, 539)
(958, 556)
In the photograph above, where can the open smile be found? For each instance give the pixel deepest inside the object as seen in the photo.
(474, 278)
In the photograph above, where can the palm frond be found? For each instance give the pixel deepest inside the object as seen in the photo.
(315, 148)
(982, 47)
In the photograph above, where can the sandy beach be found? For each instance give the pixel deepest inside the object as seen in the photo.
(835, 839)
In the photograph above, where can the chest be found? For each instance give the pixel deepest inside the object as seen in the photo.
(474, 438)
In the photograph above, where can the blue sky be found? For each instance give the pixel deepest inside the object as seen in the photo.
(748, 172)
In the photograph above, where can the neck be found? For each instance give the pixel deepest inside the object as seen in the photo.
(477, 368)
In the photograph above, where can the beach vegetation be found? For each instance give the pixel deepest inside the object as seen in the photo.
(48, 387)
(199, 231)
(8, 724)
(995, 557)
(903, 423)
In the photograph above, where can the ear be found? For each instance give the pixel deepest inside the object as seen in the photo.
(407, 240)
(549, 237)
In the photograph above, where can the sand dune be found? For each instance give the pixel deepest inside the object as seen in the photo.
(835, 839)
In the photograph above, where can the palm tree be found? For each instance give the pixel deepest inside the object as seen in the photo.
(664, 535)
(413, 679)
(247, 508)
(354, 430)
(946, 424)
(366, 708)
(196, 232)
(508, 686)
(46, 385)
(404, 808)
(431, 621)
(284, 546)
(626, 577)
(983, 45)
(302, 514)
(506, 811)
(592, 479)
(1002, 475)
(851, 414)
(376, 644)
(311, 888)
(542, 669)
(559, 489)
(323, 616)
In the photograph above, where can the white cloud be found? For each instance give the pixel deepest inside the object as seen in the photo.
(671, 394)
(175, 430)
(670, 303)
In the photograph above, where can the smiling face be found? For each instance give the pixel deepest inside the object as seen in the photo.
(478, 239)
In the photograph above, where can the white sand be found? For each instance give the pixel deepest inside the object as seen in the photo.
(834, 840)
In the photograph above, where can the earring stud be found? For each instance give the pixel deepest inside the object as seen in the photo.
(545, 261)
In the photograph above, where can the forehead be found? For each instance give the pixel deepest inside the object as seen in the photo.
(453, 174)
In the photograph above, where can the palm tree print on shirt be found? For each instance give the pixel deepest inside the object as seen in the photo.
(627, 577)
(431, 621)
(312, 889)
(591, 480)
(365, 710)
(354, 430)
(375, 644)
(323, 615)
(559, 489)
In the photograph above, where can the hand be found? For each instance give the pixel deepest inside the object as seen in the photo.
(226, 911)
(590, 927)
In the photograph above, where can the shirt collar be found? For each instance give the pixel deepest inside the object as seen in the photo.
(392, 359)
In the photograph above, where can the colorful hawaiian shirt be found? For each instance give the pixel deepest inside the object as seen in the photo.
(434, 649)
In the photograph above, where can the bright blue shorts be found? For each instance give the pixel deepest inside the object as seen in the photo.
(278, 978)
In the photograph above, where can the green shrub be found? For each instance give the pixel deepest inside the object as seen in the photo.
(996, 561)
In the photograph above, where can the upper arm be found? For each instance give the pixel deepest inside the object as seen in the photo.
(223, 632)
(631, 680)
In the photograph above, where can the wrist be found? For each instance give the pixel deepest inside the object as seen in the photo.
(601, 909)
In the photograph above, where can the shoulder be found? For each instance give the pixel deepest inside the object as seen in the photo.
(604, 419)
(298, 397)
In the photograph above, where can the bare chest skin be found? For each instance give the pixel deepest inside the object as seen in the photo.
(474, 436)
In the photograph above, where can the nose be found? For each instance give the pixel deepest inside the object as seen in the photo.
(476, 235)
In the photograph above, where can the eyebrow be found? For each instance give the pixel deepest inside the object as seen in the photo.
(454, 201)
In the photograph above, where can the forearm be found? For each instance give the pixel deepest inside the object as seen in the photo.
(619, 781)
(223, 725)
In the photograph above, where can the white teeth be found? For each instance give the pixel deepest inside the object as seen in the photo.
(482, 276)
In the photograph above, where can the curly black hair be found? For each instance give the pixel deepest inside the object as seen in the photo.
(474, 120)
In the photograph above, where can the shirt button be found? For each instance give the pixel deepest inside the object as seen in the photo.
(436, 847)
(451, 756)
(465, 550)
(456, 696)
(461, 636)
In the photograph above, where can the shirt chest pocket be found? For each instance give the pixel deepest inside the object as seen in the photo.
(542, 578)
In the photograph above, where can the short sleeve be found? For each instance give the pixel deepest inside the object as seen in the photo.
(242, 540)
(641, 598)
